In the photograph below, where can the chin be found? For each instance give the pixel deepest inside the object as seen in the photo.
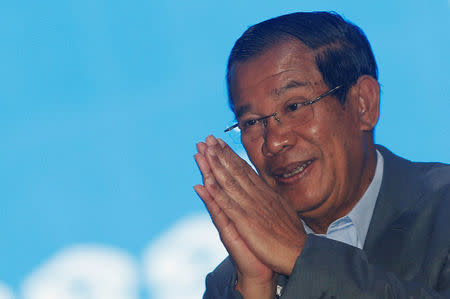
(304, 201)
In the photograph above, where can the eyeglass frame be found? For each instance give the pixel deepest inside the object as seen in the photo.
(305, 103)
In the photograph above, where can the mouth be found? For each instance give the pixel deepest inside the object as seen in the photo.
(292, 172)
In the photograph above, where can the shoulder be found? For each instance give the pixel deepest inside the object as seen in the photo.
(411, 216)
(413, 190)
(426, 177)
(436, 176)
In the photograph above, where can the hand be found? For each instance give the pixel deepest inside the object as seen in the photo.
(250, 269)
(254, 216)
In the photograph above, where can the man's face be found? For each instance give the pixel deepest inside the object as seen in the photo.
(317, 166)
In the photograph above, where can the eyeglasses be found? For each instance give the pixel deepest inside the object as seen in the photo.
(293, 114)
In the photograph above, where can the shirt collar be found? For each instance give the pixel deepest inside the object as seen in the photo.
(361, 214)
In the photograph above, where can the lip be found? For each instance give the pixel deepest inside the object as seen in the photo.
(293, 172)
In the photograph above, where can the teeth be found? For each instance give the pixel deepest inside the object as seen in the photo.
(296, 170)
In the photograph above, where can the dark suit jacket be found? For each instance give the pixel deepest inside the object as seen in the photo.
(406, 253)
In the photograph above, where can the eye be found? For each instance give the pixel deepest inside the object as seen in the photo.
(293, 107)
(250, 122)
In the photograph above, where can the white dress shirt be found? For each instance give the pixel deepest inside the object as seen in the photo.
(352, 228)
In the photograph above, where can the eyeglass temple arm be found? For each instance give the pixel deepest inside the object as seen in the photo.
(231, 128)
(325, 94)
(259, 119)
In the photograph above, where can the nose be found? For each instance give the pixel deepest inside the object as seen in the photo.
(277, 137)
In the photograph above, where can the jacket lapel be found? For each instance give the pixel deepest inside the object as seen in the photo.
(399, 191)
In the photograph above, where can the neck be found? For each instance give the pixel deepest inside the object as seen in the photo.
(362, 180)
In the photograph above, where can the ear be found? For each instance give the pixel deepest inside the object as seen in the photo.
(368, 99)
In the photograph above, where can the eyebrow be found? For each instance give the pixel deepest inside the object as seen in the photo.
(242, 110)
(290, 85)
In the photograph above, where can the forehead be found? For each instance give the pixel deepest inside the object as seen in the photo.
(287, 63)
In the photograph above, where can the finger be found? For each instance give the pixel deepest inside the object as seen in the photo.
(205, 169)
(210, 182)
(279, 205)
(257, 180)
(228, 184)
(221, 142)
(211, 140)
(211, 185)
(203, 166)
(243, 209)
(232, 175)
(242, 164)
(236, 163)
(216, 213)
(274, 202)
(227, 231)
(263, 200)
(201, 147)
(224, 162)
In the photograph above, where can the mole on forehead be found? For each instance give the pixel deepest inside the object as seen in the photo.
(290, 84)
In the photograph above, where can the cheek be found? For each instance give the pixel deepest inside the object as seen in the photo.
(327, 140)
(253, 149)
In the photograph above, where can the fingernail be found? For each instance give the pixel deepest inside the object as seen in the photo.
(211, 140)
(221, 142)
(201, 147)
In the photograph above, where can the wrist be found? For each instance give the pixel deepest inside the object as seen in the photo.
(255, 288)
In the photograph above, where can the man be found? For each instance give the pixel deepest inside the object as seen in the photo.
(329, 214)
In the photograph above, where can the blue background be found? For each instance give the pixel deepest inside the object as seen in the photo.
(102, 102)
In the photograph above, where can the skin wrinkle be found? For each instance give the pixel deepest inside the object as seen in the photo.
(241, 85)
(230, 183)
(265, 211)
(257, 215)
(284, 65)
(290, 84)
(242, 109)
(316, 53)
